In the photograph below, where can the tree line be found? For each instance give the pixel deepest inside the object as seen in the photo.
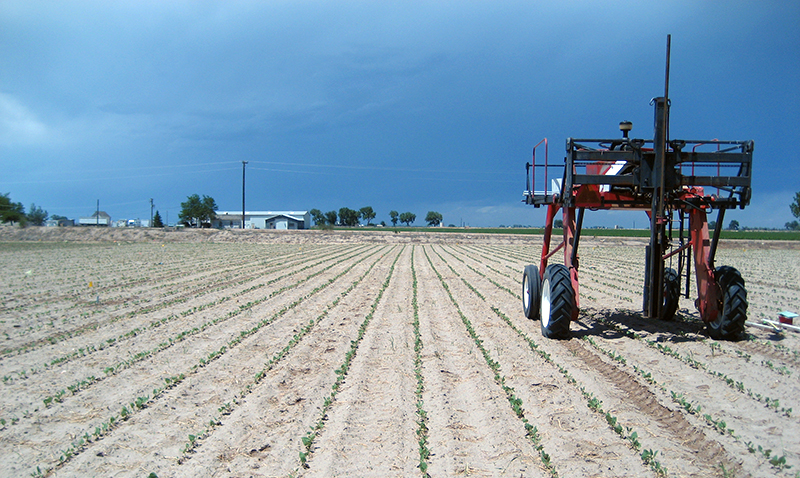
(14, 212)
(200, 212)
(351, 218)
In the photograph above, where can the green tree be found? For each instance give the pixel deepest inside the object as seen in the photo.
(433, 218)
(348, 217)
(408, 218)
(795, 206)
(330, 218)
(11, 211)
(196, 212)
(319, 218)
(36, 216)
(734, 225)
(157, 221)
(793, 226)
(558, 223)
(394, 215)
(367, 214)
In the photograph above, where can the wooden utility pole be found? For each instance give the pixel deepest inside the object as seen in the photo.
(243, 163)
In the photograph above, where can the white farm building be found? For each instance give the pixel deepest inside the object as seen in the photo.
(98, 218)
(263, 220)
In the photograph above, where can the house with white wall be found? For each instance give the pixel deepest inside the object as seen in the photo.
(285, 220)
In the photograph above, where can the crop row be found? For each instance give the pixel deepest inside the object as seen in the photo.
(776, 460)
(341, 372)
(228, 407)
(717, 424)
(647, 456)
(514, 401)
(83, 351)
(244, 363)
(69, 274)
(129, 296)
(733, 383)
(591, 286)
(134, 358)
(182, 291)
(216, 354)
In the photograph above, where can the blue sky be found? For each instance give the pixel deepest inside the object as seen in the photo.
(411, 106)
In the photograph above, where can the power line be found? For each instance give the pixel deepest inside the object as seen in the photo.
(376, 168)
(84, 179)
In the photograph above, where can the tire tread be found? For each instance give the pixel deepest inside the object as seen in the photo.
(562, 302)
(731, 322)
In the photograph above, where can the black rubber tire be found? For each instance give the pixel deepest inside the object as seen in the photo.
(531, 292)
(672, 292)
(557, 302)
(733, 306)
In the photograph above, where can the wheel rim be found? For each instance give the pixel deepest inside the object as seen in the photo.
(545, 315)
(526, 291)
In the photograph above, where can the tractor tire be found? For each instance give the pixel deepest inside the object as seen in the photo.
(557, 303)
(672, 292)
(531, 292)
(733, 306)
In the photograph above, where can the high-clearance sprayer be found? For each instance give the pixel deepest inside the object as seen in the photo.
(672, 180)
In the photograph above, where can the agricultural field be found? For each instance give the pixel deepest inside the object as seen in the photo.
(391, 357)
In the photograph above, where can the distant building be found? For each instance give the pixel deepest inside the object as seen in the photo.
(59, 222)
(263, 220)
(97, 219)
(132, 223)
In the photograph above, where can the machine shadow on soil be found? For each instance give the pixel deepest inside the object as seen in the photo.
(604, 322)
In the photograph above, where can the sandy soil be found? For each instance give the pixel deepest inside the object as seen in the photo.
(306, 353)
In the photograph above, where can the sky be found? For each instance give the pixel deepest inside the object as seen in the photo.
(398, 105)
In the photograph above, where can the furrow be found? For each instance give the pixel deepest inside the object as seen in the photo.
(192, 358)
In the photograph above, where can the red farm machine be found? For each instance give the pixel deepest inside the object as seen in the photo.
(671, 180)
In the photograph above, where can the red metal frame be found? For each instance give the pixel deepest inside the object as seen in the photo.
(639, 174)
(567, 244)
(590, 196)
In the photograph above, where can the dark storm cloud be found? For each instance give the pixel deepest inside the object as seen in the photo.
(393, 90)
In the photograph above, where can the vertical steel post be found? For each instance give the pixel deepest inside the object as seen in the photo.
(654, 281)
(552, 209)
(712, 250)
